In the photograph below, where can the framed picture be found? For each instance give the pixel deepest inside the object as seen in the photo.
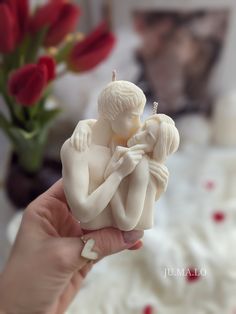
(186, 52)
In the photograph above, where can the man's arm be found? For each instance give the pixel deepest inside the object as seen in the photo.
(85, 206)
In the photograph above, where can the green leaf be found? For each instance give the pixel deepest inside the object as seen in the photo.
(63, 52)
(35, 42)
(47, 115)
(4, 123)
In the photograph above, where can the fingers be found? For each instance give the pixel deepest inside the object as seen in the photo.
(72, 140)
(104, 242)
(75, 140)
(81, 139)
(136, 246)
(138, 147)
(110, 240)
(50, 213)
(56, 191)
(159, 170)
(89, 138)
(72, 288)
(121, 149)
(119, 152)
(135, 154)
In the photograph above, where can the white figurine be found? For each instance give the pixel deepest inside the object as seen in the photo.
(113, 169)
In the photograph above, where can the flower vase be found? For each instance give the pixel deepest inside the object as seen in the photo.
(29, 172)
(23, 187)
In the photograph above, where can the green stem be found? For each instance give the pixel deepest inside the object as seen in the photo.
(35, 43)
(31, 160)
(5, 125)
(31, 152)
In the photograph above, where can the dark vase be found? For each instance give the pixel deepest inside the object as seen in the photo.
(22, 188)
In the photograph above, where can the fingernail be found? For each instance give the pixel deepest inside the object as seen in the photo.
(132, 236)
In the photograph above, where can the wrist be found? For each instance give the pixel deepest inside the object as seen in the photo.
(118, 175)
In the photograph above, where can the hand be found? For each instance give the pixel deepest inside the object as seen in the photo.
(161, 174)
(81, 137)
(45, 269)
(129, 160)
(113, 164)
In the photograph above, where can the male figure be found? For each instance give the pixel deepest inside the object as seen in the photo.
(120, 106)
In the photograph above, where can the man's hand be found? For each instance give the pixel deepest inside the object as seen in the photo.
(45, 269)
(124, 160)
(161, 174)
(113, 165)
(129, 160)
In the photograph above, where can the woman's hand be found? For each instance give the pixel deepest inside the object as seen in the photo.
(45, 269)
(81, 137)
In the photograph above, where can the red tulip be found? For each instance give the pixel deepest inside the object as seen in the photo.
(96, 47)
(13, 23)
(26, 84)
(46, 15)
(50, 65)
(22, 15)
(7, 29)
(65, 23)
(61, 18)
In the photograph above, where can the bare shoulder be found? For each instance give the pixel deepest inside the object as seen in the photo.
(69, 153)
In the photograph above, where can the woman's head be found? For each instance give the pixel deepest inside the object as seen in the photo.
(160, 136)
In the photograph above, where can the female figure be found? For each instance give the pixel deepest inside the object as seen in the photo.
(134, 209)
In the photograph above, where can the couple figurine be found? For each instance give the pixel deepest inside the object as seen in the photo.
(113, 167)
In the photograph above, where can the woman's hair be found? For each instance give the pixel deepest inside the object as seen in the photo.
(167, 142)
(167, 136)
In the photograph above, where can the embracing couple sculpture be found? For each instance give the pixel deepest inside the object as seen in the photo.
(113, 167)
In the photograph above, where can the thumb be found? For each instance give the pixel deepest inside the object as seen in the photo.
(102, 242)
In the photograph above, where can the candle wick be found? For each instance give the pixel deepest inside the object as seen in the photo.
(155, 106)
(114, 75)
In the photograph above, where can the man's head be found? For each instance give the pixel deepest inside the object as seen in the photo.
(122, 103)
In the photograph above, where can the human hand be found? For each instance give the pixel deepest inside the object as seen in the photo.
(160, 173)
(113, 164)
(45, 269)
(129, 160)
(81, 137)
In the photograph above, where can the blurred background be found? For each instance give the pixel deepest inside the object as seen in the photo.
(182, 54)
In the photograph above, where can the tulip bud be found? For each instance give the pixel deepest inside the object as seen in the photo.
(50, 65)
(59, 16)
(26, 84)
(22, 15)
(92, 50)
(8, 29)
(65, 23)
(46, 15)
(13, 23)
